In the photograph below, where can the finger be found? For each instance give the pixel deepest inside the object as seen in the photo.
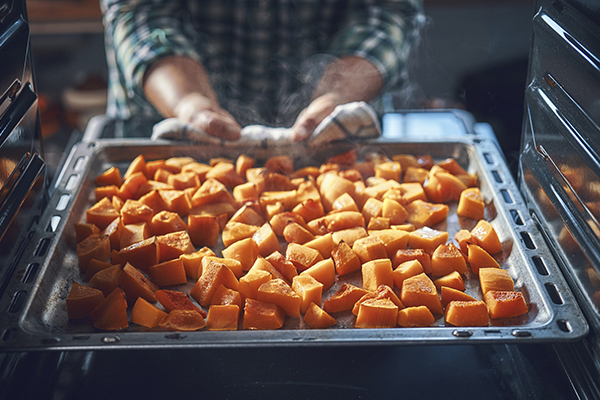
(217, 125)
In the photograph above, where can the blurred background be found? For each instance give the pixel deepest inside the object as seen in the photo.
(472, 56)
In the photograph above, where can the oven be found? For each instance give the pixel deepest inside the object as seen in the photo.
(547, 220)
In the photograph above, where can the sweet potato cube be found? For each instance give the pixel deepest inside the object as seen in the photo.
(452, 280)
(135, 285)
(266, 240)
(302, 257)
(223, 317)
(417, 316)
(317, 318)
(111, 176)
(172, 245)
(323, 271)
(404, 255)
(95, 246)
(133, 233)
(213, 275)
(467, 313)
(377, 272)
(406, 270)
(447, 258)
(106, 280)
(225, 296)
(449, 294)
(146, 314)
(245, 251)
(176, 201)
(422, 213)
(505, 304)
(369, 248)
(344, 298)
(101, 213)
(324, 244)
(479, 258)
(261, 315)
(142, 254)
(377, 313)
(309, 289)
(278, 292)
(427, 239)
(495, 279)
(419, 290)
(203, 230)
(346, 261)
(165, 222)
(486, 237)
(168, 273)
(382, 292)
(471, 204)
(183, 320)
(82, 300)
(111, 314)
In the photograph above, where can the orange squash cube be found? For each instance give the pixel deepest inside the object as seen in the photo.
(412, 192)
(236, 231)
(131, 184)
(443, 187)
(95, 246)
(82, 300)
(175, 300)
(203, 230)
(344, 299)
(192, 262)
(213, 275)
(283, 265)
(350, 235)
(418, 316)
(495, 279)
(346, 261)
(111, 176)
(486, 237)
(172, 245)
(135, 285)
(471, 204)
(245, 251)
(344, 202)
(421, 255)
(452, 280)
(133, 233)
(83, 230)
(106, 280)
(406, 270)
(135, 212)
(446, 259)
(225, 296)
(377, 313)
(427, 239)
(146, 314)
(199, 169)
(212, 191)
(371, 209)
(105, 191)
(278, 292)
(101, 213)
(382, 292)
(377, 272)
(111, 314)
(419, 290)
(301, 256)
(467, 313)
(264, 265)
(309, 289)
(176, 201)
(296, 233)
(223, 317)
(261, 315)
(317, 318)
(165, 222)
(266, 240)
(463, 237)
(369, 248)
(336, 222)
(142, 254)
(393, 240)
(505, 304)
(154, 200)
(422, 213)
(94, 267)
(168, 273)
(323, 271)
(324, 244)
(183, 321)
(394, 211)
(449, 294)
(479, 258)
(243, 163)
(309, 209)
(249, 283)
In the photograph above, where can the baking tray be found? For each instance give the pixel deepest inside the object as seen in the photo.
(34, 314)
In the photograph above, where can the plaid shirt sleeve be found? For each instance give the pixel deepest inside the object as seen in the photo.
(382, 32)
(139, 32)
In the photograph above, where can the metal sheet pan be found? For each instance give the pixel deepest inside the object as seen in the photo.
(34, 315)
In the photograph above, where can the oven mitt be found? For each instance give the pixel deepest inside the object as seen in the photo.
(349, 121)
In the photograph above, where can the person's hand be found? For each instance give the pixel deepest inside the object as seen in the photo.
(314, 114)
(204, 114)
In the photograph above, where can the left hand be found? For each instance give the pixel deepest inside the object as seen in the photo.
(313, 115)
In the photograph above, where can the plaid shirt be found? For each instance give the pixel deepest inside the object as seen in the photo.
(264, 57)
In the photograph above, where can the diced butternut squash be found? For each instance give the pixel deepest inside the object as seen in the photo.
(377, 272)
(422, 213)
(442, 187)
(176, 201)
(283, 265)
(452, 280)
(142, 254)
(261, 315)
(309, 289)
(467, 313)
(234, 265)
(135, 285)
(168, 273)
(172, 245)
(471, 204)
(95, 246)
(346, 261)
(106, 280)
(236, 231)
(427, 239)
(111, 314)
(394, 211)
(213, 275)
(333, 186)
(83, 230)
(174, 300)
(419, 290)
(479, 258)
(505, 304)
(223, 317)
(131, 184)
(301, 256)
(192, 262)
(393, 240)
(417, 316)
(101, 214)
(463, 237)
(449, 294)
(369, 248)
(82, 300)
(146, 314)
(245, 251)
(310, 209)
(421, 255)
(350, 235)
(226, 296)
(154, 200)
(446, 259)
(324, 244)
(382, 292)
(134, 212)
(263, 264)
(111, 176)
(323, 271)
(183, 321)
(371, 209)
(377, 313)
(495, 279)
(249, 283)
(317, 318)
(296, 233)
(266, 240)
(95, 266)
(406, 270)
(279, 221)
(278, 292)
(486, 237)
(344, 202)
(133, 233)
(165, 222)
(336, 222)
(344, 298)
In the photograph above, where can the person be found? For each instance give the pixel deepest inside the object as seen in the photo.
(223, 64)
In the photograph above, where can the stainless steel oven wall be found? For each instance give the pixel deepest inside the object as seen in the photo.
(23, 183)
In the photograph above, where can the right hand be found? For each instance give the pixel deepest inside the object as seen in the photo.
(204, 114)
